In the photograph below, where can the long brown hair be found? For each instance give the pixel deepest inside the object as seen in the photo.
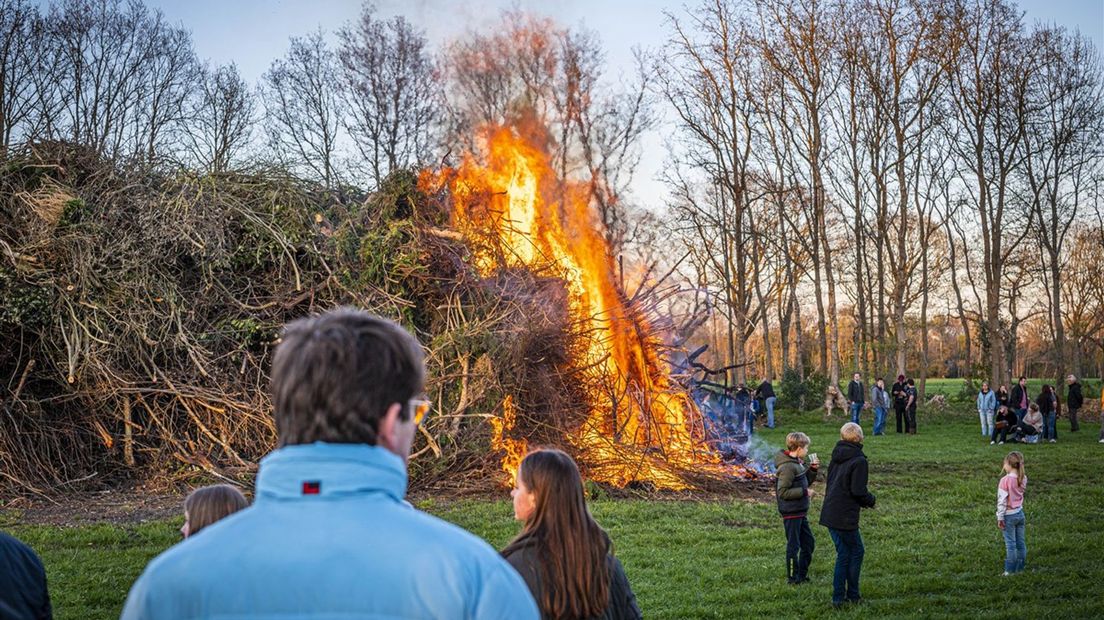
(571, 546)
(207, 505)
(1015, 460)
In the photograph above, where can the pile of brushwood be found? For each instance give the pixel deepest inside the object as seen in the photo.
(140, 307)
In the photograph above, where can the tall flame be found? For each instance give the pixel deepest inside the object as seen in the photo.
(639, 428)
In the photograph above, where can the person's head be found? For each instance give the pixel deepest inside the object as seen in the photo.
(570, 545)
(1033, 408)
(1071, 379)
(1014, 462)
(881, 382)
(1023, 381)
(797, 444)
(1047, 389)
(856, 377)
(347, 376)
(912, 382)
(851, 432)
(1002, 388)
(1002, 410)
(985, 387)
(900, 378)
(206, 505)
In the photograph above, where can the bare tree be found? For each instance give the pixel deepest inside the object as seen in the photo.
(221, 120)
(303, 110)
(20, 45)
(392, 93)
(1063, 146)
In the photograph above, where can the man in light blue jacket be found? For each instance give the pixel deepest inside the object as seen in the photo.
(330, 535)
(986, 405)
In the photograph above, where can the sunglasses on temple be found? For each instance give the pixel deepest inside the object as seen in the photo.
(419, 408)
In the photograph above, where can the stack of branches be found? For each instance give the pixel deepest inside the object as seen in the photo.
(139, 310)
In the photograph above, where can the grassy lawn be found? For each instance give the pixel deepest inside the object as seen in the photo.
(933, 548)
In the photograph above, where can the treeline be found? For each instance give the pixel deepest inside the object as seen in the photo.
(853, 177)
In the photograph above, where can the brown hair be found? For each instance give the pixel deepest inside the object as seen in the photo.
(796, 440)
(571, 547)
(335, 375)
(1015, 460)
(207, 505)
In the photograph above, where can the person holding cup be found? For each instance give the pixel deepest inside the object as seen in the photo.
(793, 495)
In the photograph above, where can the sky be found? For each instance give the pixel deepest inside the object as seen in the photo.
(252, 33)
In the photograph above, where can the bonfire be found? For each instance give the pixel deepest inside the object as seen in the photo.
(641, 425)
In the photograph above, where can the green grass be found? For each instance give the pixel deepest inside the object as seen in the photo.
(933, 548)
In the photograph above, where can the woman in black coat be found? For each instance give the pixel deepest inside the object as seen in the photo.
(562, 553)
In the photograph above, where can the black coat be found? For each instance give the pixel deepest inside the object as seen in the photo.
(1046, 402)
(1017, 396)
(846, 491)
(22, 582)
(856, 392)
(1074, 399)
(765, 390)
(622, 600)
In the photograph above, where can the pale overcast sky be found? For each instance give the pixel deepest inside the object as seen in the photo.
(254, 32)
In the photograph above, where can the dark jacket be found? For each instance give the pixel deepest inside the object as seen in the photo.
(1016, 397)
(622, 600)
(792, 488)
(1074, 399)
(1002, 398)
(855, 392)
(898, 391)
(765, 390)
(1046, 402)
(846, 490)
(23, 592)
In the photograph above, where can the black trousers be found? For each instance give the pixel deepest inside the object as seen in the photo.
(799, 547)
(1074, 426)
(899, 408)
(910, 420)
(1000, 432)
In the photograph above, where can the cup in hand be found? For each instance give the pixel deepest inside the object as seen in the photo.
(813, 459)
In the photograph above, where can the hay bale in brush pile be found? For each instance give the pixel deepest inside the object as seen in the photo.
(139, 310)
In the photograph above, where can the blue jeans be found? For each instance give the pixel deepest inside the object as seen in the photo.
(1050, 428)
(1020, 413)
(855, 409)
(849, 557)
(770, 411)
(879, 420)
(1015, 547)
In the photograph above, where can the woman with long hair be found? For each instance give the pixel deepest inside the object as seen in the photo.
(562, 553)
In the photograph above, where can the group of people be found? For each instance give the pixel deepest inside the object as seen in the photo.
(902, 396)
(1016, 417)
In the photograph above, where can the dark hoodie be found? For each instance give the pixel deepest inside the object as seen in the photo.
(846, 490)
(792, 489)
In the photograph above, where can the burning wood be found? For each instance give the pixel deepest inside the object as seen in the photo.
(641, 426)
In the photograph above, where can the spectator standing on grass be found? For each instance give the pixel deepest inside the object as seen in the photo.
(1002, 396)
(910, 407)
(1004, 423)
(793, 493)
(1074, 401)
(880, 399)
(741, 403)
(900, 400)
(1102, 414)
(329, 534)
(1010, 515)
(765, 392)
(844, 495)
(986, 405)
(207, 505)
(23, 592)
(562, 553)
(856, 396)
(1048, 407)
(1019, 399)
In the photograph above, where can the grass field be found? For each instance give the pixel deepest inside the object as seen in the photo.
(933, 548)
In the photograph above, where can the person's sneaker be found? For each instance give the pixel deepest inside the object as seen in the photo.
(999, 443)
(993, 442)
(1053, 441)
(1102, 441)
(1005, 574)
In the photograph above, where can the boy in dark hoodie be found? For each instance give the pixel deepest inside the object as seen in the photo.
(845, 493)
(793, 494)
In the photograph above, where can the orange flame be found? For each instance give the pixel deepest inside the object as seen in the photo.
(515, 449)
(639, 428)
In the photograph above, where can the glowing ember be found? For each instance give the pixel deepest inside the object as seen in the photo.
(639, 426)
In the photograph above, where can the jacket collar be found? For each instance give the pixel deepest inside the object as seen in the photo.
(329, 471)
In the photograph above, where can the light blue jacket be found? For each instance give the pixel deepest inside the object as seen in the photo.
(987, 401)
(330, 536)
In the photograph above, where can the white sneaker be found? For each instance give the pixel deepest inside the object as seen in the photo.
(1102, 441)
(1000, 443)
(1053, 441)
(1005, 574)
(992, 442)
